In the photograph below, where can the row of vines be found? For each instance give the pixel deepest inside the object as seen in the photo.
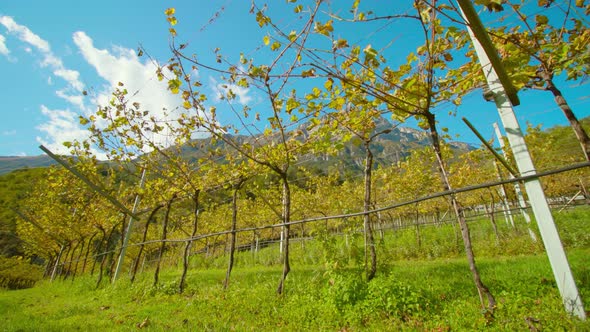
(322, 93)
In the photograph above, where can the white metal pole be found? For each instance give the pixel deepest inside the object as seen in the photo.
(519, 195)
(128, 232)
(553, 246)
(504, 199)
(61, 250)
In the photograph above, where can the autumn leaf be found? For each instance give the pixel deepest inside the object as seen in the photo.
(340, 43)
(308, 73)
(328, 84)
(172, 20)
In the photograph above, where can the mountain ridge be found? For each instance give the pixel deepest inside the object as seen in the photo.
(389, 147)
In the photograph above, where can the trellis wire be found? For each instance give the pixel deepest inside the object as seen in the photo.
(389, 207)
(349, 215)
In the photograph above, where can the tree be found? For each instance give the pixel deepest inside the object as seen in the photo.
(276, 148)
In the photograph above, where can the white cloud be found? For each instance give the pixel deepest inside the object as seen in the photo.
(221, 90)
(9, 132)
(24, 34)
(114, 65)
(61, 127)
(3, 49)
(71, 76)
(62, 124)
(139, 78)
(77, 99)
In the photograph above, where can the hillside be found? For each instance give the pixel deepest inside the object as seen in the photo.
(14, 186)
(11, 163)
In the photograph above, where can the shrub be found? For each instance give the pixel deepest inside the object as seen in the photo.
(17, 273)
(394, 299)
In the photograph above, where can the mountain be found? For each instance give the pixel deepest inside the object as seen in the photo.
(388, 148)
(11, 163)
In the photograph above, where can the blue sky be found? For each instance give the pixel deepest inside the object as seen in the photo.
(52, 51)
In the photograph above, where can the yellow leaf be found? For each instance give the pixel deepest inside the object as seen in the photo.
(186, 104)
(170, 11)
(266, 40)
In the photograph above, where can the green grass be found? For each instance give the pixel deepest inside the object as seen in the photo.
(441, 291)
(424, 288)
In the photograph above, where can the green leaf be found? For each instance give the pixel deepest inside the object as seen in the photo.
(174, 86)
(262, 19)
(370, 52)
(243, 82)
(541, 19)
(275, 46)
(292, 104)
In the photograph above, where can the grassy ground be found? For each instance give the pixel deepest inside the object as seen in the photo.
(432, 292)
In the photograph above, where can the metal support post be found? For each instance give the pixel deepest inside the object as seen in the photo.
(554, 248)
(129, 229)
(519, 195)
